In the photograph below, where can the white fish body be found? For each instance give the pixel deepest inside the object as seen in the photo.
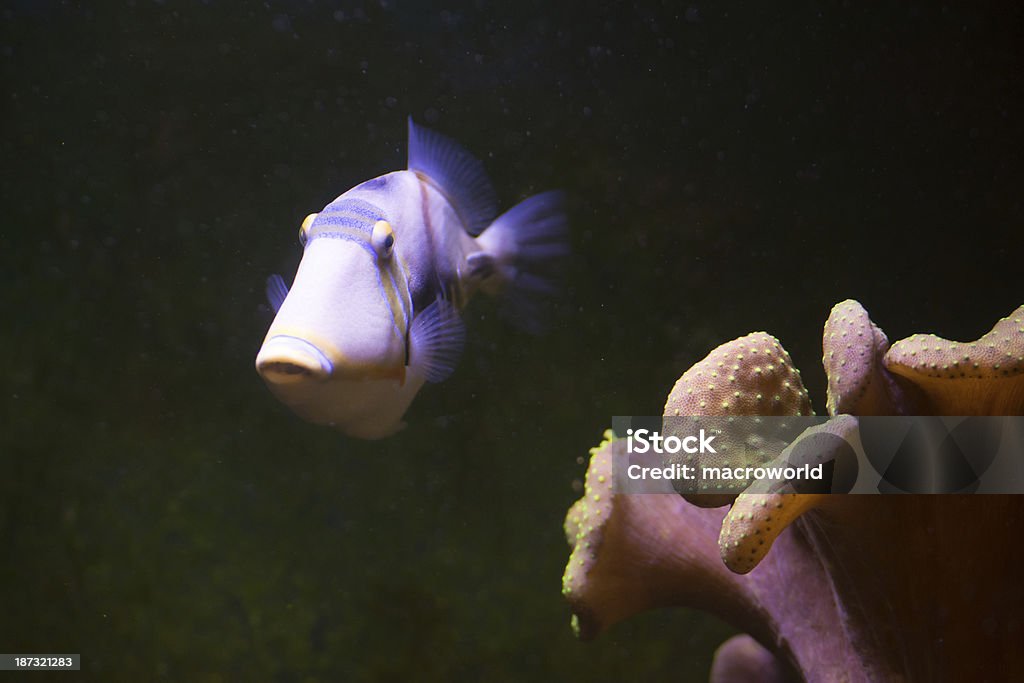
(373, 312)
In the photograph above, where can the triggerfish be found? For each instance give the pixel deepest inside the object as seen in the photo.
(374, 311)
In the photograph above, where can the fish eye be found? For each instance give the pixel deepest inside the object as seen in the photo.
(304, 228)
(383, 239)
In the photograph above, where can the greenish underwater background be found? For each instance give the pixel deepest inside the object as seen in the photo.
(731, 168)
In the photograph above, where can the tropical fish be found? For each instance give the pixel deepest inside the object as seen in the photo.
(387, 267)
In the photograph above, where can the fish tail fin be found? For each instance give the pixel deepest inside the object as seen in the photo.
(523, 259)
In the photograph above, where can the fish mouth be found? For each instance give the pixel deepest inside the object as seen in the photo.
(290, 360)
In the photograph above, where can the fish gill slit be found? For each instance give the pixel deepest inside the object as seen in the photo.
(389, 292)
(428, 223)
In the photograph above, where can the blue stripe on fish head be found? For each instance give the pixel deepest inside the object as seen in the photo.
(427, 233)
(421, 231)
(352, 220)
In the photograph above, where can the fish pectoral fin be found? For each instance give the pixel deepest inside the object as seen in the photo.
(459, 174)
(277, 290)
(436, 339)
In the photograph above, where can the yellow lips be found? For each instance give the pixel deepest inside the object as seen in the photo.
(287, 359)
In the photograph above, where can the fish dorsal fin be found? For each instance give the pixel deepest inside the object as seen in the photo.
(457, 173)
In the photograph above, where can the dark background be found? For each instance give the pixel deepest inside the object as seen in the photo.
(731, 167)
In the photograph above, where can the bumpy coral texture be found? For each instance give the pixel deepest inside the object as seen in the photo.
(830, 587)
(752, 375)
(853, 347)
(983, 377)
